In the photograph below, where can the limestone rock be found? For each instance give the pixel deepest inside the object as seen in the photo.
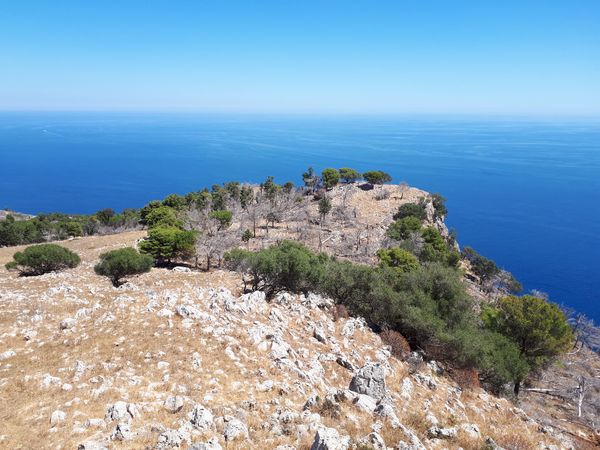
(201, 418)
(369, 380)
(173, 403)
(234, 429)
(330, 439)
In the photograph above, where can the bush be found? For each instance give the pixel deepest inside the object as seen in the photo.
(403, 228)
(399, 344)
(339, 312)
(223, 217)
(399, 259)
(427, 305)
(166, 244)
(162, 216)
(349, 175)
(43, 258)
(439, 206)
(466, 378)
(287, 265)
(377, 177)
(540, 329)
(121, 263)
(19, 232)
(411, 210)
(331, 177)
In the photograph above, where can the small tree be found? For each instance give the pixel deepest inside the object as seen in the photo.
(540, 329)
(310, 178)
(175, 201)
(331, 178)
(43, 258)
(401, 260)
(223, 217)
(162, 216)
(403, 228)
(104, 215)
(246, 236)
(439, 206)
(411, 210)
(324, 208)
(349, 175)
(377, 177)
(121, 263)
(168, 244)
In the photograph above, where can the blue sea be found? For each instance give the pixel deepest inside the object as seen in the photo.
(523, 192)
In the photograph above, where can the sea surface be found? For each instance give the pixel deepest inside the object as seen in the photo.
(523, 192)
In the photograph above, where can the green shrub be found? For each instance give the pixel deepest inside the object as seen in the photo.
(223, 217)
(411, 210)
(439, 207)
(403, 228)
(377, 177)
(104, 215)
(399, 259)
(349, 175)
(162, 216)
(169, 244)
(331, 177)
(539, 328)
(121, 263)
(43, 258)
(19, 232)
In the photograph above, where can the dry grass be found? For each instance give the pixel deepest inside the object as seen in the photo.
(121, 340)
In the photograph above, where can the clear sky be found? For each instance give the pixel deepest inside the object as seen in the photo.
(349, 56)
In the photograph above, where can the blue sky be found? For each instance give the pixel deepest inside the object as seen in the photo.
(419, 56)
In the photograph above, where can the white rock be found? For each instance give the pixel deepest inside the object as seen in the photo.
(330, 439)
(373, 441)
(471, 429)
(442, 433)
(201, 418)
(365, 403)
(234, 429)
(67, 324)
(211, 444)
(7, 354)
(369, 380)
(121, 411)
(173, 403)
(57, 417)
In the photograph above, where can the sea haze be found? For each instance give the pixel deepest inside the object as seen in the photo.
(523, 192)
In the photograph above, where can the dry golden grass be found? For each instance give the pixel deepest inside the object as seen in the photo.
(123, 355)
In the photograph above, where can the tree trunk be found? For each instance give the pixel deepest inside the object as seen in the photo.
(517, 388)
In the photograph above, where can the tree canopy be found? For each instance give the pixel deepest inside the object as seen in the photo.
(121, 263)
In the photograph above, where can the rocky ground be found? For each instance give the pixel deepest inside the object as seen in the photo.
(176, 358)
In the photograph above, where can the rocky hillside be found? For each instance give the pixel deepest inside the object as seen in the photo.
(177, 358)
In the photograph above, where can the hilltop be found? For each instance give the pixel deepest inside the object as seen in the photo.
(180, 357)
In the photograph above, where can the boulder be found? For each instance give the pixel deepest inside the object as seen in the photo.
(373, 441)
(173, 403)
(211, 444)
(201, 418)
(234, 429)
(57, 417)
(442, 433)
(330, 439)
(369, 380)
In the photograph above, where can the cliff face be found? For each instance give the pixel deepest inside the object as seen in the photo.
(182, 359)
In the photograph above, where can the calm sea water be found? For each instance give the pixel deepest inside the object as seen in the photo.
(525, 193)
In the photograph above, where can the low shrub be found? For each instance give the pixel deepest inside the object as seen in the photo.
(121, 263)
(339, 312)
(398, 343)
(467, 379)
(43, 258)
